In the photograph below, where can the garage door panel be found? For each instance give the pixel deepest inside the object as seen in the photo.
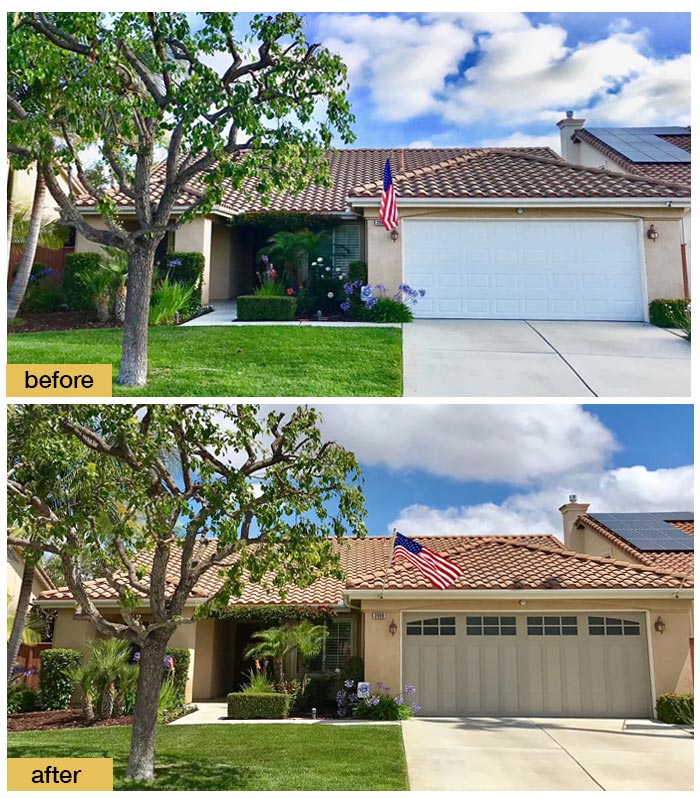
(525, 261)
(548, 665)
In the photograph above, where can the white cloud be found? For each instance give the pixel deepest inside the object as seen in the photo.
(524, 73)
(634, 489)
(503, 443)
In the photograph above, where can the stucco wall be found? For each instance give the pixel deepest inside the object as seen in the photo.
(221, 270)
(197, 237)
(185, 637)
(69, 633)
(671, 667)
(15, 568)
(663, 257)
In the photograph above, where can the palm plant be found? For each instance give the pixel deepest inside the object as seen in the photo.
(83, 678)
(34, 627)
(273, 644)
(109, 664)
(309, 639)
(116, 261)
(294, 250)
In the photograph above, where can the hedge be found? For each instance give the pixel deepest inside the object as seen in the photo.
(271, 706)
(675, 708)
(55, 686)
(357, 270)
(186, 268)
(266, 308)
(181, 658)
(76, 266)
(662, 311)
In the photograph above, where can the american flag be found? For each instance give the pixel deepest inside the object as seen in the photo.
(388, 212)
(438, 570)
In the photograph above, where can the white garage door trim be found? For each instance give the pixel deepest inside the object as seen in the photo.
(556, 306)
(644, 615)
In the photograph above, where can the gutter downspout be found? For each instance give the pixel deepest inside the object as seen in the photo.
(684, 262)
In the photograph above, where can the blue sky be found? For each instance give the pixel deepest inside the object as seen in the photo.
(505, 78)
(432, 469)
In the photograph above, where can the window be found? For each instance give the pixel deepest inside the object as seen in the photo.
(618, 627)
(432, 627)
(552, 625)
(490, 625)
(346, 248)
(336, 648)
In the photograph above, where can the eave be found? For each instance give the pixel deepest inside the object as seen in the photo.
(516, 595)
(526, 202)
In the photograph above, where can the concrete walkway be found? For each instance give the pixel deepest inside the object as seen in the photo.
(226, 313)
(214, 712)
(553, 754)
(473, 357)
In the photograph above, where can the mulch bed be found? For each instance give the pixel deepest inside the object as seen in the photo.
(63, 320)
(58, 719)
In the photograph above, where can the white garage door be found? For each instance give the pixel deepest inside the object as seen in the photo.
(524, 269)
(573, 665)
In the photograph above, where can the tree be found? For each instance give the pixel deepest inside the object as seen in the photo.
(139, 84)
(273, 644)
(270, 489)
(19, 620)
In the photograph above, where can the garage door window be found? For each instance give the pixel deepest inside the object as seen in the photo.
(612, 626)
(432, 627)
(552, 625)
(490, 625)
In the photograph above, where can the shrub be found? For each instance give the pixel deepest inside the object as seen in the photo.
(55, 685)
(266, 308)
(21, 698)
(317, 693)
(323, 291)
(662, 311)
(79, 267)
(675, 708)
(258, 683)
(186, 268)
(381, 705)
(169, 704)
(354, 669)
(357, 270)
(181, 661)
(169, 299)
(244, 706)
(44, 298)
(387, 311)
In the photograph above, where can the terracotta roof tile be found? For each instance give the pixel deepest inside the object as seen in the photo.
(507, 562)
(452, 172)
(671, 172)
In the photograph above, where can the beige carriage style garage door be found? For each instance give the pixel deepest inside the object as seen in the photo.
(526, 269)
(551, 665)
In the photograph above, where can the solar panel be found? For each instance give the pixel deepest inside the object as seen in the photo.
(649, 531)
(640, 145)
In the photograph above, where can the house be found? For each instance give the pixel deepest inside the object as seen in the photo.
(487, 232)
(532, 627)
(15, 569)
(659, 153)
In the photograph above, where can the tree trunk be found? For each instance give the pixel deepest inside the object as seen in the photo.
(24, 269)
(105, 707)
(134, 365)
(143, 736)
(25, 596)
(278, 667)
(10, 208)
(86, 704)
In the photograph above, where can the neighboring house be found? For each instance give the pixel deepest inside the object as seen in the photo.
(659, 153)
(530, 628)
(487, 232)
(15, 569)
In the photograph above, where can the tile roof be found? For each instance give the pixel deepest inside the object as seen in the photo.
(452, 172)
(671, 172)
(508, 562)
(680, 561)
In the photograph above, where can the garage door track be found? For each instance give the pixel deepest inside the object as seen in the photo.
(475, 357)
(553, 754)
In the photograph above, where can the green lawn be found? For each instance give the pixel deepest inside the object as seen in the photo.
(242, 757)
(237, 361)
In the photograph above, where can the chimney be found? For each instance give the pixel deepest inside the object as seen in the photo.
(573, 538)
(567, 127)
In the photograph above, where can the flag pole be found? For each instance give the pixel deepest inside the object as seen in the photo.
(388, 565)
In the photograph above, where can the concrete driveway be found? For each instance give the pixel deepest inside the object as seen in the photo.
(553, 754)
(474, 357)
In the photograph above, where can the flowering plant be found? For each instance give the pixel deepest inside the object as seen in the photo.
(374, 302)
(268, 284)
(379, 705)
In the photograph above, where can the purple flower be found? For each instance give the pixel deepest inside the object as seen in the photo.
(137, 656)
(371, 302)
(422, 291)
(345, 306)
(398, 699)
(340, 698)
(265, 259)
(416, 707)
(409, 689)
(373, 701)
(349, 684)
